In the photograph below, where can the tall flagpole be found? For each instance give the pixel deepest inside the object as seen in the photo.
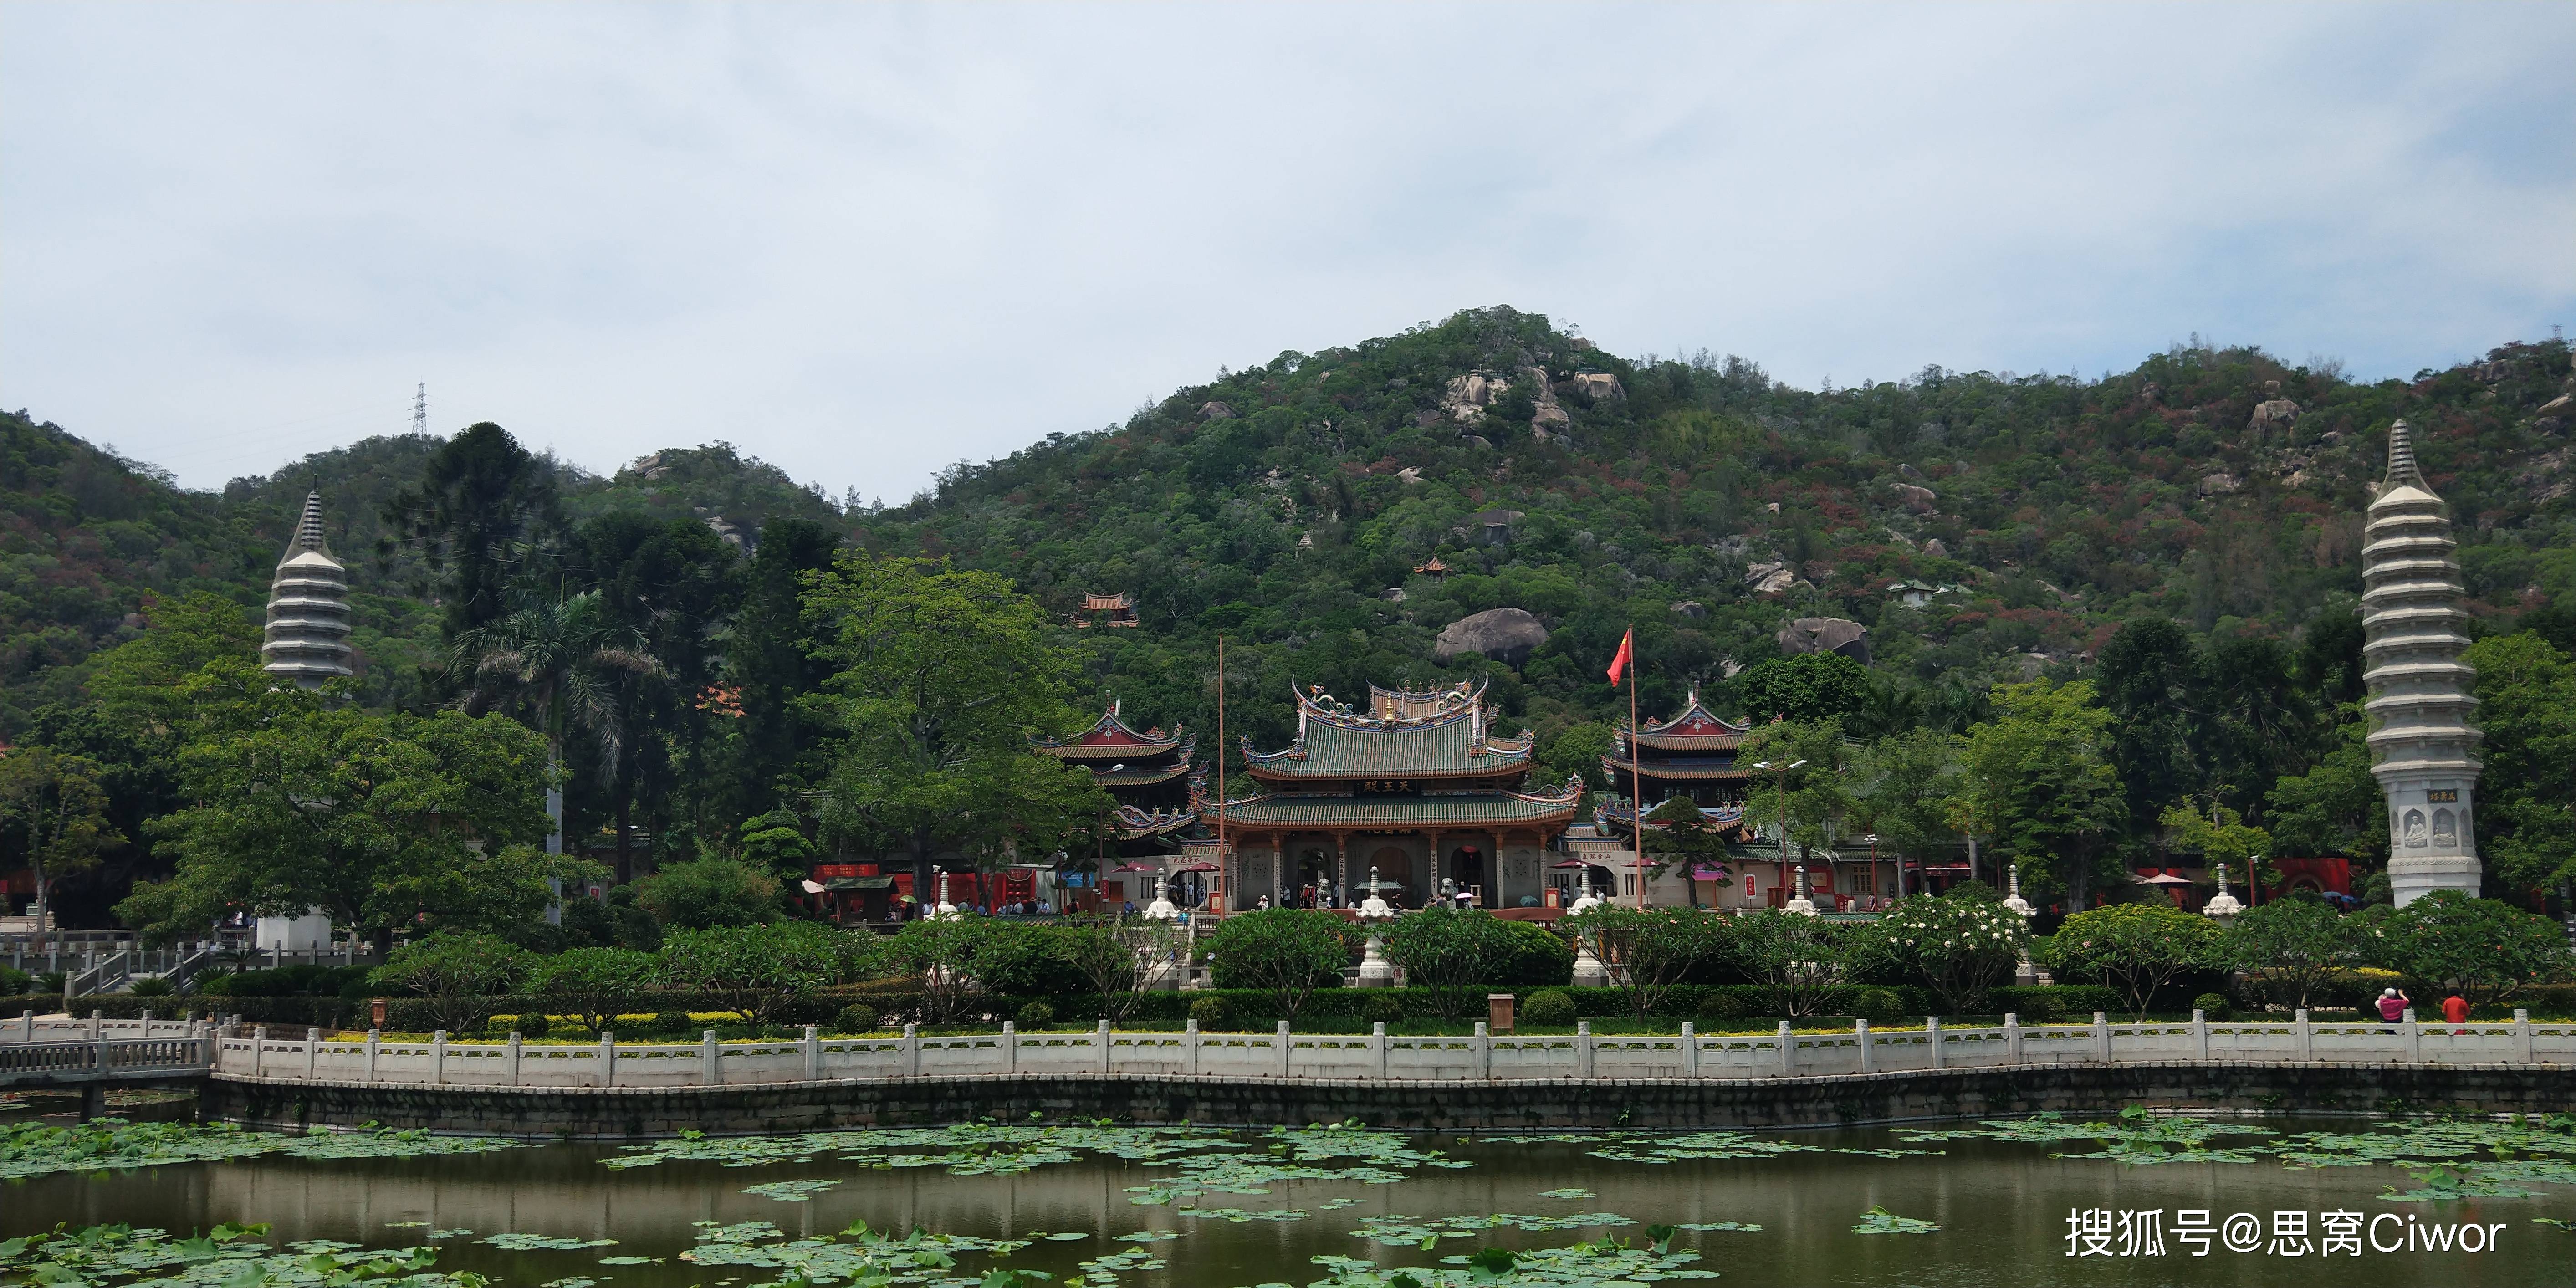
(1636, 781)
(1224, 855)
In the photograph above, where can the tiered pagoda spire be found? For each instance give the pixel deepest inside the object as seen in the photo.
(2420, 738)
(307, 640)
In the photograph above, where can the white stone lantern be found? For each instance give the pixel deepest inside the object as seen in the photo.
(2222, 905)
(1801, 905)
(1162, 908)
(2013, 900)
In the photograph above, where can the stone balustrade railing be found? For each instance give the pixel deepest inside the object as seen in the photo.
(31, 1027)
(1283, 1054)
(185, 1053)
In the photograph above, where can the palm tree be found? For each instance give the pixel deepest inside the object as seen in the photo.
(562, 659)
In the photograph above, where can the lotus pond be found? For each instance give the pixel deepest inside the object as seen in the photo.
(2133, 1198)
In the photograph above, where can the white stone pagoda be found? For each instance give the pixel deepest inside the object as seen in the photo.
(2422, 747)
(307, 641)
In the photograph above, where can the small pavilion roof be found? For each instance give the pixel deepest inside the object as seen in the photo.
(1697, 730)
(1111, 738)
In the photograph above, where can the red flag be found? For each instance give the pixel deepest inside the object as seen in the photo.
(1627, 654)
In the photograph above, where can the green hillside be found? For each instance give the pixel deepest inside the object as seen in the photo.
(2058, 506)
(2202, 510)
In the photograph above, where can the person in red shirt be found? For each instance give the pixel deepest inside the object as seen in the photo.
(2455, 1008)
(2392, 1007)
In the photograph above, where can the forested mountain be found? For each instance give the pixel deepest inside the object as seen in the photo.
(1983, 528)
(2222, 488)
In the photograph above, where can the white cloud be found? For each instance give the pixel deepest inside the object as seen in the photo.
(864, 241)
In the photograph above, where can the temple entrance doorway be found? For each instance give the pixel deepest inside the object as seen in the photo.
(1467, 866)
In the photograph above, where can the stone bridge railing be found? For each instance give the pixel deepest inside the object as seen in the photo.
(1283, 1054)
(173, 1055)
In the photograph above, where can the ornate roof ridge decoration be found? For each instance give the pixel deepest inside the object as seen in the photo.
(306, 640)
(1135, 823)
(1694, 720)
(1617, 810)
(1116, 737)
(1432, 567)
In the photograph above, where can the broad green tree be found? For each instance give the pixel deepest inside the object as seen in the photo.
(484, 514)
(594, 984)
(1813, 782)
(2336, 807)
(461, 973)
(1653, 948)
(2526, 819)
(2221, 836)
(756, 971)
(2484, 949)
(378, 820)
(942, 677)
(1285, 952)
(2136, 948)
(1449, 951)
(2294, 945)
(1904, 787)
(563, 661)
(1797, 957)
(53, 817)
(1807, 689)
(2040, 773)
(2146, 677)
(941, 952)
(703, 893)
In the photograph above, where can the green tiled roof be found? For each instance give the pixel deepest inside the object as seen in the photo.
(1465, 809)
(1432, 750)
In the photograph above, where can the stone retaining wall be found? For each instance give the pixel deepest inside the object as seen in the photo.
(636, 1112)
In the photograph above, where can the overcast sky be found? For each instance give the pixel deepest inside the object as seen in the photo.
(865, 241)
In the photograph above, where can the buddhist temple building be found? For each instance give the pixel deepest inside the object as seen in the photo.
(1432, 567)
(1417, 787)
(1107, 610)
(1691, 756)
(2420, 739)
(1147, 772)
(307, 640)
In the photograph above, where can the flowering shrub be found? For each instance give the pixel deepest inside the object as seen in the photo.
(1960, 947)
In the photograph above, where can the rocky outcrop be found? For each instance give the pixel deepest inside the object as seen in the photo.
(1215, 411)
(1914, 497)
(1548, 415)
(2271, 414)
(2220, 484)
(1506, 635)
(1467, 396)
(1826, 635)
(1598, 385)
(1769, 577)
(1936, 549)
(1690, 608)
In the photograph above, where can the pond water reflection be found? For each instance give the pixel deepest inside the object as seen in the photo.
(2002, 1206)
